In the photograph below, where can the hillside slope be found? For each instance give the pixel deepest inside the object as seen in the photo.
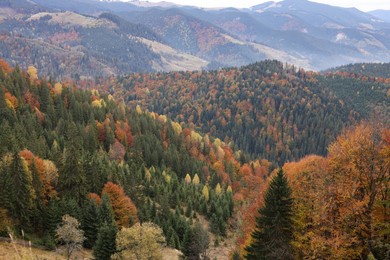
(271, 111)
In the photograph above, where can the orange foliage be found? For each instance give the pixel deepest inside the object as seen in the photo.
(123, 132)
(47, 175)
(95, 197)
(125, 212)
(5, 67)
(12, 99)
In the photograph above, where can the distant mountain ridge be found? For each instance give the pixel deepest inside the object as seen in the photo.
(164, 36)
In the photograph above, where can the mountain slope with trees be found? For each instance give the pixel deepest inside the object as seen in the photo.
(269, 110)
(65, 151)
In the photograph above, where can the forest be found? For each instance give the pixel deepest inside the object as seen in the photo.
(269, 110)
(188, 157)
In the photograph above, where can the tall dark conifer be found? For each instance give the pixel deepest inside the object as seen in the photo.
(71, 180)
(105, 242)
(89, 223)
(273, 234)
(21, 190)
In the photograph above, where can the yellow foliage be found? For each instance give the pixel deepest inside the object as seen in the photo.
(167, 178)
(205, 193)
(148, 176)
(162, 118)
(217, 142)
(196, 180)
(143, 242)
(97, 103)
(58, 88)
(138, 109)
(177, 128)
(218, 189)
(95, 92)
(9, 104)
(229, 189)
(195, 137)
(188, 179)
(32, 72)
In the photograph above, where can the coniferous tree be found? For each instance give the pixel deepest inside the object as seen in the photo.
(72, 178)
(89, 223)
(21, 190)
(105, 242)
(273, 234)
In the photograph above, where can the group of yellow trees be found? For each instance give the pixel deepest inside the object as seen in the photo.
(342, 201)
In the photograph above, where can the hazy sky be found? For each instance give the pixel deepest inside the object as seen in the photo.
(364, 5)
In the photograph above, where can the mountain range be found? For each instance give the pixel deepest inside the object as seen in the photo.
(111, 37)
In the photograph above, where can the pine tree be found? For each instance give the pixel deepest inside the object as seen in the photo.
(273, 233)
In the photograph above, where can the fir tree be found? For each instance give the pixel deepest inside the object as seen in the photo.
(273, 233)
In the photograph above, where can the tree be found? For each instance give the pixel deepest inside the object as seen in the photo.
(273, 234)
(105, 242)
(201, 241)
(70, 234)
(21, 189)
(125, 212)
(359, 173)
(71, 179)
(141, 242)
(89, 224)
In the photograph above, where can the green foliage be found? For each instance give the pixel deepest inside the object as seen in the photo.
(266, 109)
(89, 223)
(366, 69)
(105, 243)
(273, 234)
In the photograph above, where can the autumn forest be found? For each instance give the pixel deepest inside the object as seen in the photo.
(266, 161)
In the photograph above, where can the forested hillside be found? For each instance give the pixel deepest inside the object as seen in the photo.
(111, 161)
(267, 109)
(69, 151)
(379, 70)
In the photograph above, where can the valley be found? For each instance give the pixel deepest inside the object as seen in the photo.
(143, 130)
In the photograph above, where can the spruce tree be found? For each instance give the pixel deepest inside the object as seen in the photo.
(21, 190)
(89, 223)
(105, 242)
(272, 236)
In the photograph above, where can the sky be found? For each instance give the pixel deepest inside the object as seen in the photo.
(363, 5)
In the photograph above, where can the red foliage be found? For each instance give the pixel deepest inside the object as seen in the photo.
(125, 212)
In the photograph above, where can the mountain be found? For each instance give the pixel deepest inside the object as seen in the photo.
(323, 34)
(374, 70)
(144, 37)
(63, 148)
(266, 109)
(98, 151)
(191, 35)
(381, 14)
